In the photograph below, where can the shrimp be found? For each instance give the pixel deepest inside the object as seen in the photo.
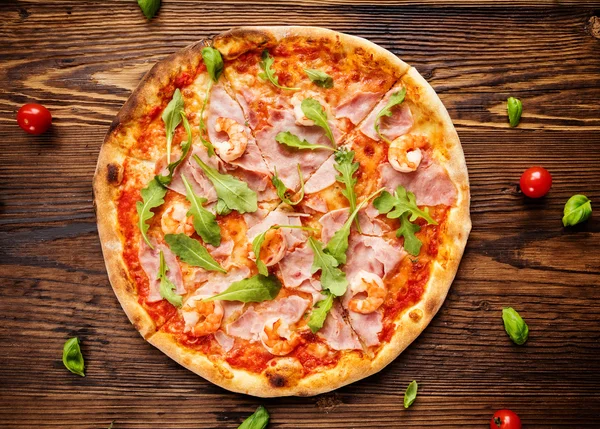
(235, 147)
(372, 285)
(405, 152)
(211, 315)
(175, 220)
(278, 339)
(273, 248)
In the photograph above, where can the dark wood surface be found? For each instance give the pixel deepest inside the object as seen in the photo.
(81, 59)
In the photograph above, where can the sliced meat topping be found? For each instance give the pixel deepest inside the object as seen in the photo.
(200, 184)
(335, 219)
(337, 333)
(323, 178)
(367, 326)
(391, 127)
(357, 106)
(150, 262)
(371, 254)
(296, 267)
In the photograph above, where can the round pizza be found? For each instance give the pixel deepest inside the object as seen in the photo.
(282, 210)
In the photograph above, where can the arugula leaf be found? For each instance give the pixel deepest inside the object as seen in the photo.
(395, 99)
(320, 312)
(185, 148)
(222, 208)
(255, 289)
(192, 252)
(411, 394)
(332, 278)
(213, 61)
(167, 288)
(235, 194)
(268, 73)
(172, 118)
(400, 203)
(407, 230)
(313, 110)
(291, 140)
(205, 223)
(149, 7)
(282, 190)
(202, 126)
(319, 78)
(259, 240)
(72, 357)
(347, 168)
(258, 420)
(152, 196)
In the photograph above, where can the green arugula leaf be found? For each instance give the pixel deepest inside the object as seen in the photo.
(205, 223)
(515, 326)
(235, 194)
(259, 240)
(202, 125)
(577, 209)
(268, 74)
(407, 230)
(319, 78)
(258, 420)
(172, 118)
(192, 252)
(167, 288)
(320, 312)
(222, 208)
(514, 108)
(152, 196)
(213, 61)
(282, 190)
(185, 148)
(332, 278)
(313, 110)
(411, 394)
(291, 140)
(395, 99)
(347, 169)
(149, 7)
(255, 289)
(400, 203)
(72, 357)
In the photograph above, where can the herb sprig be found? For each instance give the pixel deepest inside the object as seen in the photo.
(152, 196)
(395, 99)
(268, 73)
(167, 288)
(282, 189)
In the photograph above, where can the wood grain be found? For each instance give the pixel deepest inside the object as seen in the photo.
(81, 59)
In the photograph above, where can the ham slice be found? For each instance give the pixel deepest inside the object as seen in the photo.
(430, 183)
(335, 219)
(337, 333)
(323, 178)
(150, 262)
(357, 106)
(224, 340)
(279, 217)
(391, 127)
(296, 267)
(372, 254)
(200, 184)
(221, 105)
(315, 203)
(367, 326)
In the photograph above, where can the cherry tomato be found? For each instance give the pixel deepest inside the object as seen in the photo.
(536, 182)
(34, 118)
(505, 419)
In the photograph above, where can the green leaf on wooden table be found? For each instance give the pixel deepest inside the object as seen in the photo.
(313, 110)
(185, 148)
(205, 223)
(259, 240)
(319, 78)
(268, 73)
(291, 140)
(235, 194)
(172, 118)
(320, 311)
(255, 289)
(258, 420)
(332, 278)
(514, 108)
(152, 196)
(192, 252)
(282, 190)
(167, 288)
(395, 99)
(407, 230)
(213, 61)
(578, 209)
(149, 7)
(411, 394)
(515, 326)
(72, 357)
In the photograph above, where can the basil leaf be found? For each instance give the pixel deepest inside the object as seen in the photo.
(255, 289)
(152, 196)
(282, 190)
(320, 312)
(258, 420)
(149, 7)
(577, 209)
(515, 109)
(172, 118)
(72, 357)
(332, 278)
(407, 230)
(234, 193)
(202, 125)
(319, 78)
(192, 252)
(213, 61)
(222, 208)
(205, 223)
(167, 288)
(313, 110)
(259, 240)
(400, 203)
(515, 326)
(395, 99)
(291, 140)
(268, 73)
(411, 394)
(347, 168)
(185, 148)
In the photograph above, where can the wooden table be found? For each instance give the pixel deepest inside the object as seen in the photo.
(81, 59)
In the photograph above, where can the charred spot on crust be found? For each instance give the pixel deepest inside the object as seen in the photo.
(276, 380)
(415, 315)
(114, 173)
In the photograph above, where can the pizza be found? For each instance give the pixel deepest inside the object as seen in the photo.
(282, 210)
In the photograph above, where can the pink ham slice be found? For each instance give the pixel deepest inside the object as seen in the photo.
(323, 178)
(224, 340)
(335, 219)
(367, 326)
(279, 217)
(150, 262)
(315, 203)
(372, 254)
(296, 266)
(357, 106)
(200, 184)
(430, 183)
(391, 127)
(337, 333)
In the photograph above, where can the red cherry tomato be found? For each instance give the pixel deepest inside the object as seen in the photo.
(536, 182)
(505, 419)
(34, 118)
